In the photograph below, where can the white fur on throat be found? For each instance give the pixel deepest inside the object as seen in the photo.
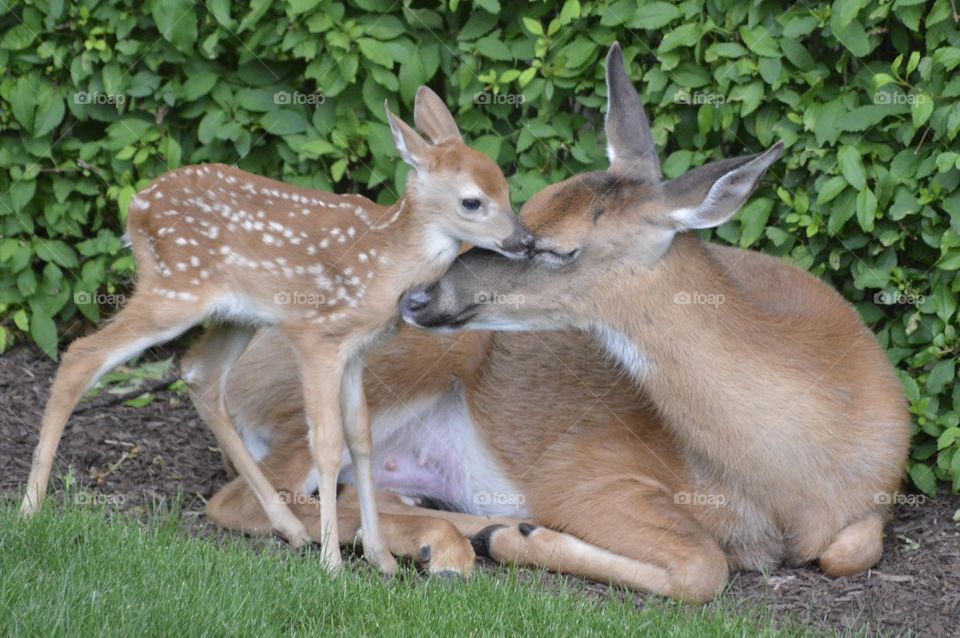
(622, 349)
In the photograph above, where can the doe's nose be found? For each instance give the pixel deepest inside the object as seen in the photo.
(415, 300)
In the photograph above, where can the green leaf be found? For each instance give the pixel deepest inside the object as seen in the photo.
(257, 9)
(489, 145)
(23, 100)
(882, 79)
(865, 117)
(851, 166)
(261, 100)
(866, 209)
(770, 69)
(490, 6)
(846, 10)
(140, 401)
(17, 38)
(44, 333)
(827, 127)
(941, 374)
(655, 15)
(172, 152)
(385, 27)
(20, 320)
(283, 122)
(176, 20)
(479, 24)
(570, 11)
(492, 48)
(922, 476)
(677, 164)
(761, 41)
(57, 252)
(209, 126)
(852, 36)
(727, 50)
(376, 52)
(49, 112)
(751, 95)
(949, 436)
(753, 219)
(685, 35)
(579, 52)
(411, 77)
(533, 26)
(221, 11)
(921, 109)
(21, 193)
(944, 301)
(199, 84)
(840, 213)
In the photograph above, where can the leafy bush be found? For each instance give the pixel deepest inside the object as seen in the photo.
(100, 96)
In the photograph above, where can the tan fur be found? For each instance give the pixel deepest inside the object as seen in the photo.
(217, 242)
(777, 401)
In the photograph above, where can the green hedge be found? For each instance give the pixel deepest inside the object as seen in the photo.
(98, 97)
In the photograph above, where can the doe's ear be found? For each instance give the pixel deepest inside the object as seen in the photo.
(710, 195)
(433, 117)
(413, 149)
(630, 147)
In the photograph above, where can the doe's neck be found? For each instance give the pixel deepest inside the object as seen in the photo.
(686, 328)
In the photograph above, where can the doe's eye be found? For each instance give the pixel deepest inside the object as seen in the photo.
(470, 203)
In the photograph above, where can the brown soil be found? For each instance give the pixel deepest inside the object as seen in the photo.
(138, 457)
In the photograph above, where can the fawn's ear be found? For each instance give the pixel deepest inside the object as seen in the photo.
(413, 149)
(630, 147)
(709, 195)
(433, 117)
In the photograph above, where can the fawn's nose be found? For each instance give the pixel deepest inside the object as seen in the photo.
(519, 245)
(527, 243)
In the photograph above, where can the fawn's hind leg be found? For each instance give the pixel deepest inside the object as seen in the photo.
(206, 371)
(145, 321)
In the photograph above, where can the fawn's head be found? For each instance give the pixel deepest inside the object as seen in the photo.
(458, 192)
(596, 233)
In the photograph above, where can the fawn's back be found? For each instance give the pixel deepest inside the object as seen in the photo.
(209, 232)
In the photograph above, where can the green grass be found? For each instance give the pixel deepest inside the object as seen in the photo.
(85, 572)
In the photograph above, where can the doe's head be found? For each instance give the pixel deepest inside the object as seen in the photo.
(458, 191)
(601, 238)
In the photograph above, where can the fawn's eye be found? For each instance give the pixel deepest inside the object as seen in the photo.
(470, 203)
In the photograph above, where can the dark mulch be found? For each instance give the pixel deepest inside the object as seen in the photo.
(138, 458)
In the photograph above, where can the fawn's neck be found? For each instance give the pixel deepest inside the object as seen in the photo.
(416, 249)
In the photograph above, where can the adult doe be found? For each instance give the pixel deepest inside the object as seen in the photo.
(216, 242)
(790, 424)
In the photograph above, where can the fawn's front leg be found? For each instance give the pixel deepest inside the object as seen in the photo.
(356, 426)
(321, 371)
